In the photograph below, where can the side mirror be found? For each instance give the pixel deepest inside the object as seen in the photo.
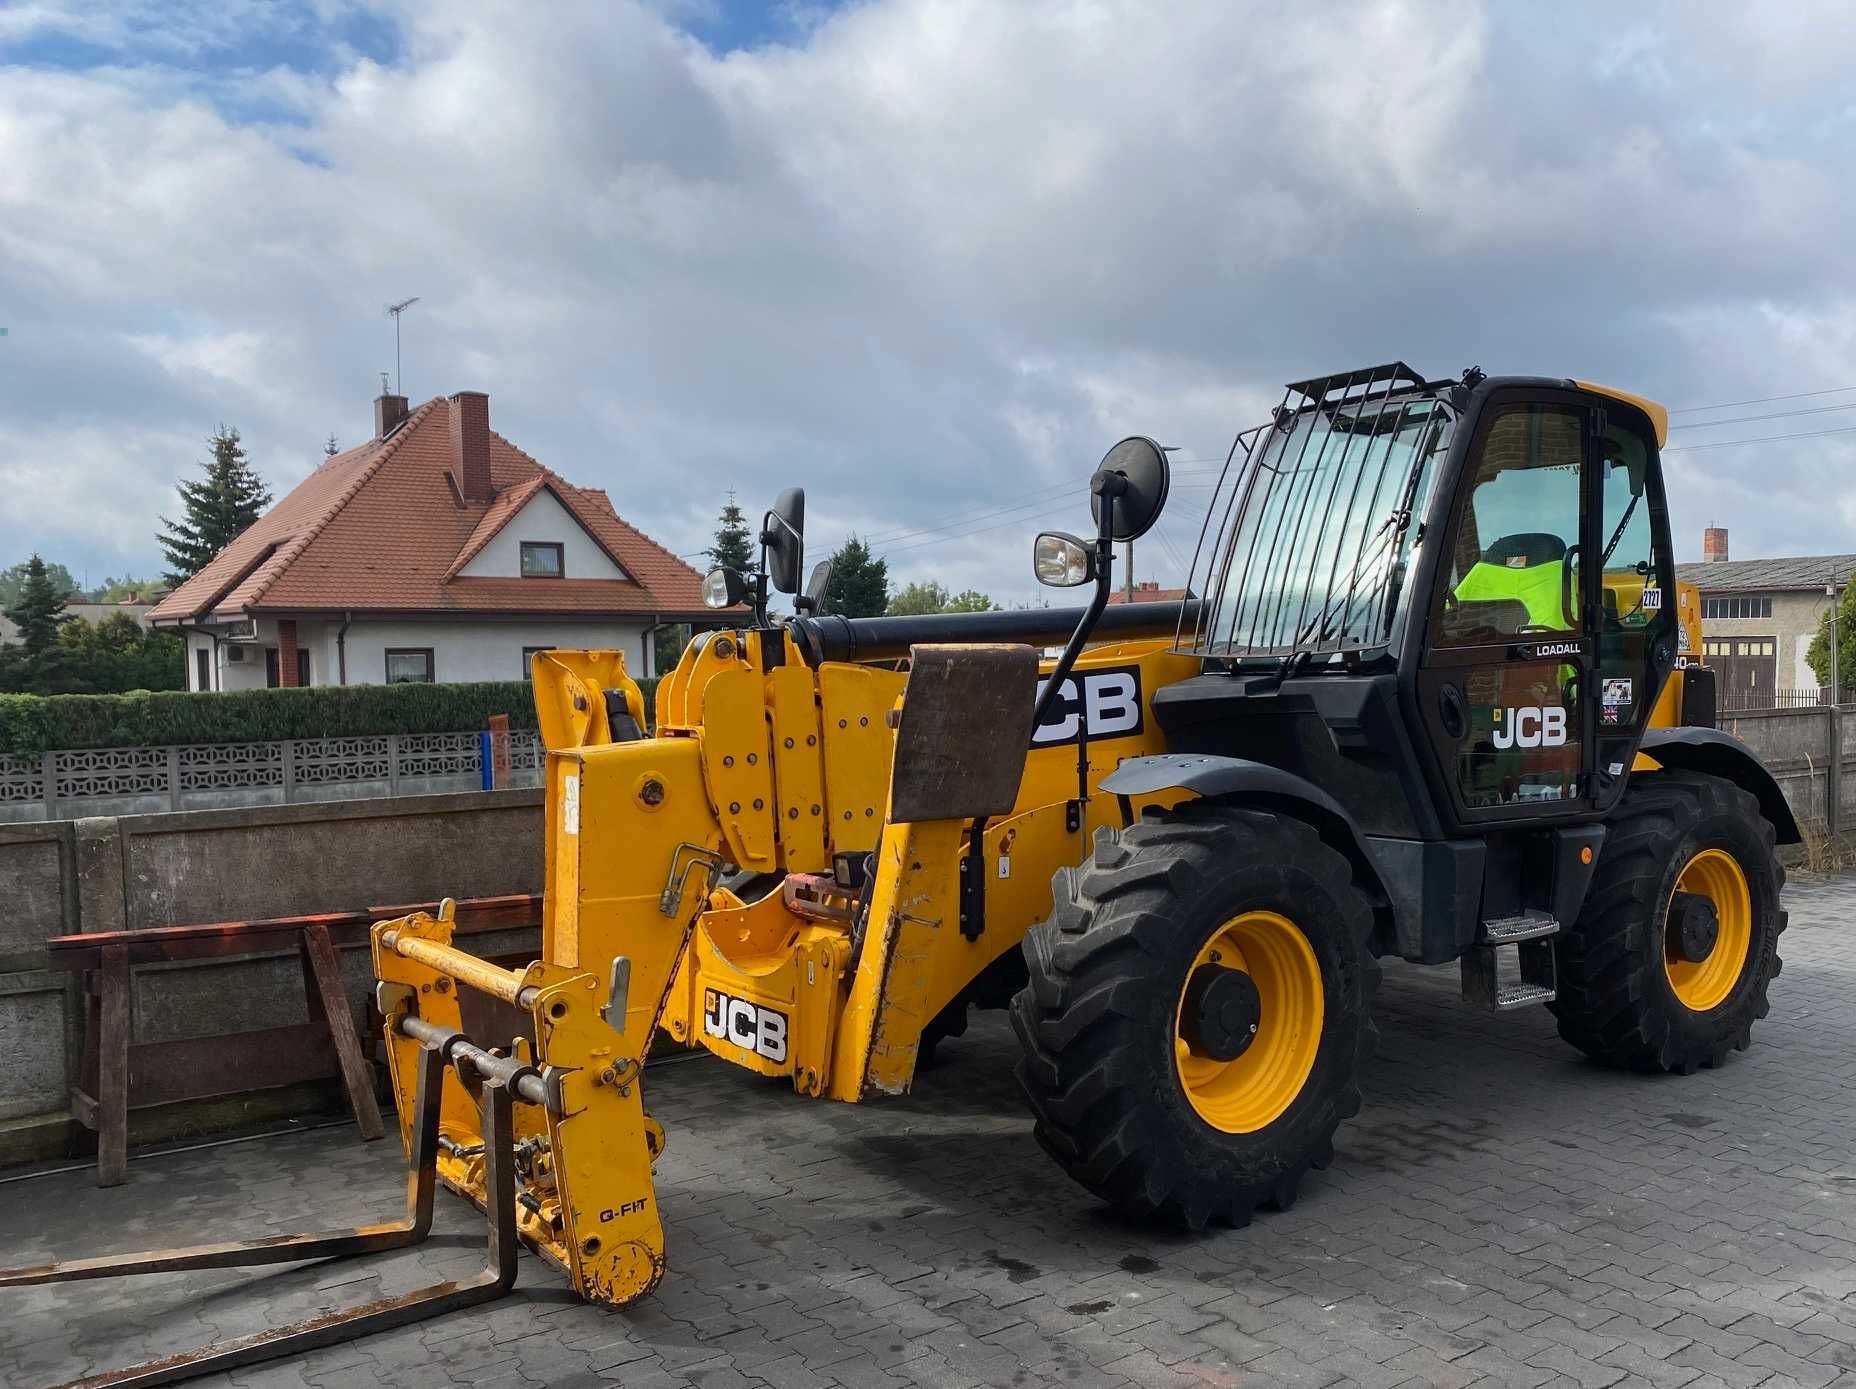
(784, 534)
(723, 588)
(1138, 469)
(1062, 561)
(808, 602)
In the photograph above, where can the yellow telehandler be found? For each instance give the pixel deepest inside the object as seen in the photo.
(1434, 696)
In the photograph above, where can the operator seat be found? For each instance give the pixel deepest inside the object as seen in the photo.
(1516, 583)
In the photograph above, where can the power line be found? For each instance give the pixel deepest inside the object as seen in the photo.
(1762, 439)
(1774, 415)
(1762, 400)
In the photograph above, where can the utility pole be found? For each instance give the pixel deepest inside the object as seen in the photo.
(1834, 816)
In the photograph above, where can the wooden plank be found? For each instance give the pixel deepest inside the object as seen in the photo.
(477, 913)
(159, 943)
(275, 934)
(197, 1068)
(113, 1068)
(357, 1079)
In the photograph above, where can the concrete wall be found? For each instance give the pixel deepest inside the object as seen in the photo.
(136, 872)
(1794, 744)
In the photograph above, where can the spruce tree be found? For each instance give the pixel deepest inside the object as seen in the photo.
(734, 542)
(39, 612)
(225, 502)
(859, 585)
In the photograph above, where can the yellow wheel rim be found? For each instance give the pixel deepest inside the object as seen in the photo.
(1701, 985)
(1251, 1091)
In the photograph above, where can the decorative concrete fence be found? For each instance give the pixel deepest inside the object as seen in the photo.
(225, 776)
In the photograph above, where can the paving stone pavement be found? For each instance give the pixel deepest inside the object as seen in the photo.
(1502, 1213)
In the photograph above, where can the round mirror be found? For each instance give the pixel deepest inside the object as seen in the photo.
(1143, 464)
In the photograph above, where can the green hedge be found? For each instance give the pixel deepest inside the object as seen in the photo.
(32, 724)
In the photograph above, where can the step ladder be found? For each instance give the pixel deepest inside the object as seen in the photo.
(1511, 964)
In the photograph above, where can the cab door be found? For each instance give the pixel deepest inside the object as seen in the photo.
(1634, 604)
(1511, 644)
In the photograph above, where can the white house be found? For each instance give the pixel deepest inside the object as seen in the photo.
(435, 551)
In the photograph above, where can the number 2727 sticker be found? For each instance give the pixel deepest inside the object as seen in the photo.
(1652, 599)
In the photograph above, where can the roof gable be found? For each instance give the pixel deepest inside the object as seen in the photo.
(541, 509)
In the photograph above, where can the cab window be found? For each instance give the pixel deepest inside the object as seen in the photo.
(1513, 557)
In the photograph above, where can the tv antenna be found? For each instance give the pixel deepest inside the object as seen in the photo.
(394, 311)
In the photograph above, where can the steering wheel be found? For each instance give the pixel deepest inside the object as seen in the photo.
(1566, 576)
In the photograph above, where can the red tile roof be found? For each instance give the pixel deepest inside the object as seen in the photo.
(383, 528)
(1151, 592)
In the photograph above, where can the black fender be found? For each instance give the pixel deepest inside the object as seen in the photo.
(1715, 753)
(1253, 783)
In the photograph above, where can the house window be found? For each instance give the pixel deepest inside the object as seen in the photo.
(409, 665)
(202, 669)
(528, 660)
(1735, 606)
(541, 559)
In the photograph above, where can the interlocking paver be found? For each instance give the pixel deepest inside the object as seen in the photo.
(1502, 1213)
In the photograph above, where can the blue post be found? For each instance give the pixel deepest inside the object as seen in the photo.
(484, 764)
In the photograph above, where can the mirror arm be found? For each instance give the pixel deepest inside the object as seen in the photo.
(1109, 486)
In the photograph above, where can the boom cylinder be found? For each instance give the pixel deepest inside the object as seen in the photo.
(889, 638)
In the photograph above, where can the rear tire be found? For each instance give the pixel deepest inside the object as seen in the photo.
(1121, 1099)
(1622, 978)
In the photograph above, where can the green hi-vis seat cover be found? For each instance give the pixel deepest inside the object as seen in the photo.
(1536, 588)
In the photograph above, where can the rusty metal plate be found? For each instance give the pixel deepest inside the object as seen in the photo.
(966, 724)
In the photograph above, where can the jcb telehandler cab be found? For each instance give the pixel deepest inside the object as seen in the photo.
(1433, 698)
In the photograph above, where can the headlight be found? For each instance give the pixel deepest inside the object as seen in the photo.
(1061, 561)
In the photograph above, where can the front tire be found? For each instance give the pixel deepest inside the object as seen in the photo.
(1667, 967)
(1197, 1013)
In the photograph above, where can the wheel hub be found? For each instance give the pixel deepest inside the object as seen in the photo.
(1694, 927)
(1221, 1013)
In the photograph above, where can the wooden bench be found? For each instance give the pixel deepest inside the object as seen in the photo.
(118, 1072)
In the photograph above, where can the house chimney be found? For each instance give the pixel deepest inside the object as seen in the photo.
(389, 412)
(470, 445)
(1714, 544)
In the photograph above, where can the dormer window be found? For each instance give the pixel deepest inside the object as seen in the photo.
(541, 559)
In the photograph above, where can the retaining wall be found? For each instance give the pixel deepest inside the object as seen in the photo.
(111, 873)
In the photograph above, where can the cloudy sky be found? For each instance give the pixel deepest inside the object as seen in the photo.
(928, 258)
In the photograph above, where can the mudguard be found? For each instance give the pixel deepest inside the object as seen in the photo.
(1215, 777)
(1721, 754)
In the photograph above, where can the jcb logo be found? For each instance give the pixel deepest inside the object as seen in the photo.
(744, 1024)
(1105, 702)
(1530, 726)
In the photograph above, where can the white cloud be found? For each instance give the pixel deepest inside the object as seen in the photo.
(928, 258)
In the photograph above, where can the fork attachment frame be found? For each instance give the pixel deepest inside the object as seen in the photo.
(497, 1277)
